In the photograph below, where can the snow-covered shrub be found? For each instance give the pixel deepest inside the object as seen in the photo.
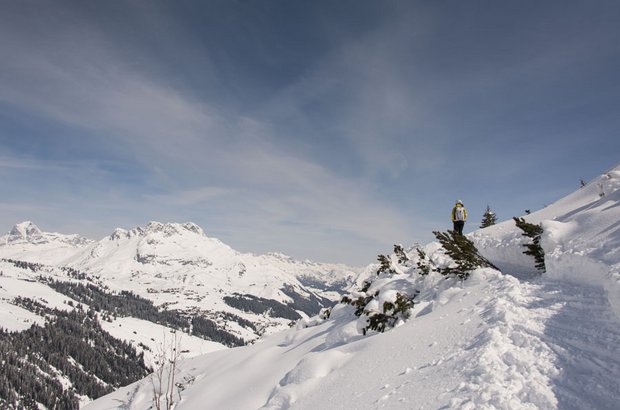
(396, 307)
(399, 251)
(386, 299)
(385, 265)
(395, 263)
(359, 302)
(533, 249)
(424, 264)
(379, 309)
(325, 313)
(464, 254)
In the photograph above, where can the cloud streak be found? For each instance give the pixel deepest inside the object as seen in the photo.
(197, 156)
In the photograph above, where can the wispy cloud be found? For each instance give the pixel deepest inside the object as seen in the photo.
(198, 156)
(144, 116)
(192, 197)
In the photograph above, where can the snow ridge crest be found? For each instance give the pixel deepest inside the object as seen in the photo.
(153, 227)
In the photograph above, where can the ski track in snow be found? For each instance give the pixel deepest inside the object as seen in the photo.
(554, 344)
(585, 337)
(508, 365)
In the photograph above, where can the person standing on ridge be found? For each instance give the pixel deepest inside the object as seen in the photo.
(459, 216)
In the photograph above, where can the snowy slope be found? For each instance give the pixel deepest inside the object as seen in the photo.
(14, 284)
(508, 341)
(21, 282)
(581, 237)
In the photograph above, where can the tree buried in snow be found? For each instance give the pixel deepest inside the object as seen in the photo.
(399, 251)
(380, 317)
(424, 264)
(464, 254)
(380, 309)
(391, 313)
(533, 249)
(385, 265)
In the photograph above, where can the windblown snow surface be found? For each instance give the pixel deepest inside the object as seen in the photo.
(509, 340)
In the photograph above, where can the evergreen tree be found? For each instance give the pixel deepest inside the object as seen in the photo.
(392, 312)
(489, 218)
(399, 251)
(386, 265)
(533, 249)
(255, 304)
(424, 264)
(463, 252)
(72, 344)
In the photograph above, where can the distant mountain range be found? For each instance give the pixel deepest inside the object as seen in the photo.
(147, 281)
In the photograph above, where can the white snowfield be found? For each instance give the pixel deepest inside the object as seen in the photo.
(499, 340)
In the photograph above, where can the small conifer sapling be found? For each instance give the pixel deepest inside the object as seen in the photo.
(489, 218)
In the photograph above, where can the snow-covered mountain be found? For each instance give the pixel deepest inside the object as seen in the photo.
(25, 241)
(179, 267)
(182, 254)
(511, 340)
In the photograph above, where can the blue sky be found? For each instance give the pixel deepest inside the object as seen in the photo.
(327, 130)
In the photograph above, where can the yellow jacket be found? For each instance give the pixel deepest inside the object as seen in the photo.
(460, 214)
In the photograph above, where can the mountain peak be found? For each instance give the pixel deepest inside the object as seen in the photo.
(153, 227)
(24, 231)
(28, 233)
(172, 228)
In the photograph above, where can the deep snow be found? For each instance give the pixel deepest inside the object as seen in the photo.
(512, 340)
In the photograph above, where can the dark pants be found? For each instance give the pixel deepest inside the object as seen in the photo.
(458, 227)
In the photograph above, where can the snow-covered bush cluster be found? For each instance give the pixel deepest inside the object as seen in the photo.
(386, 298)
